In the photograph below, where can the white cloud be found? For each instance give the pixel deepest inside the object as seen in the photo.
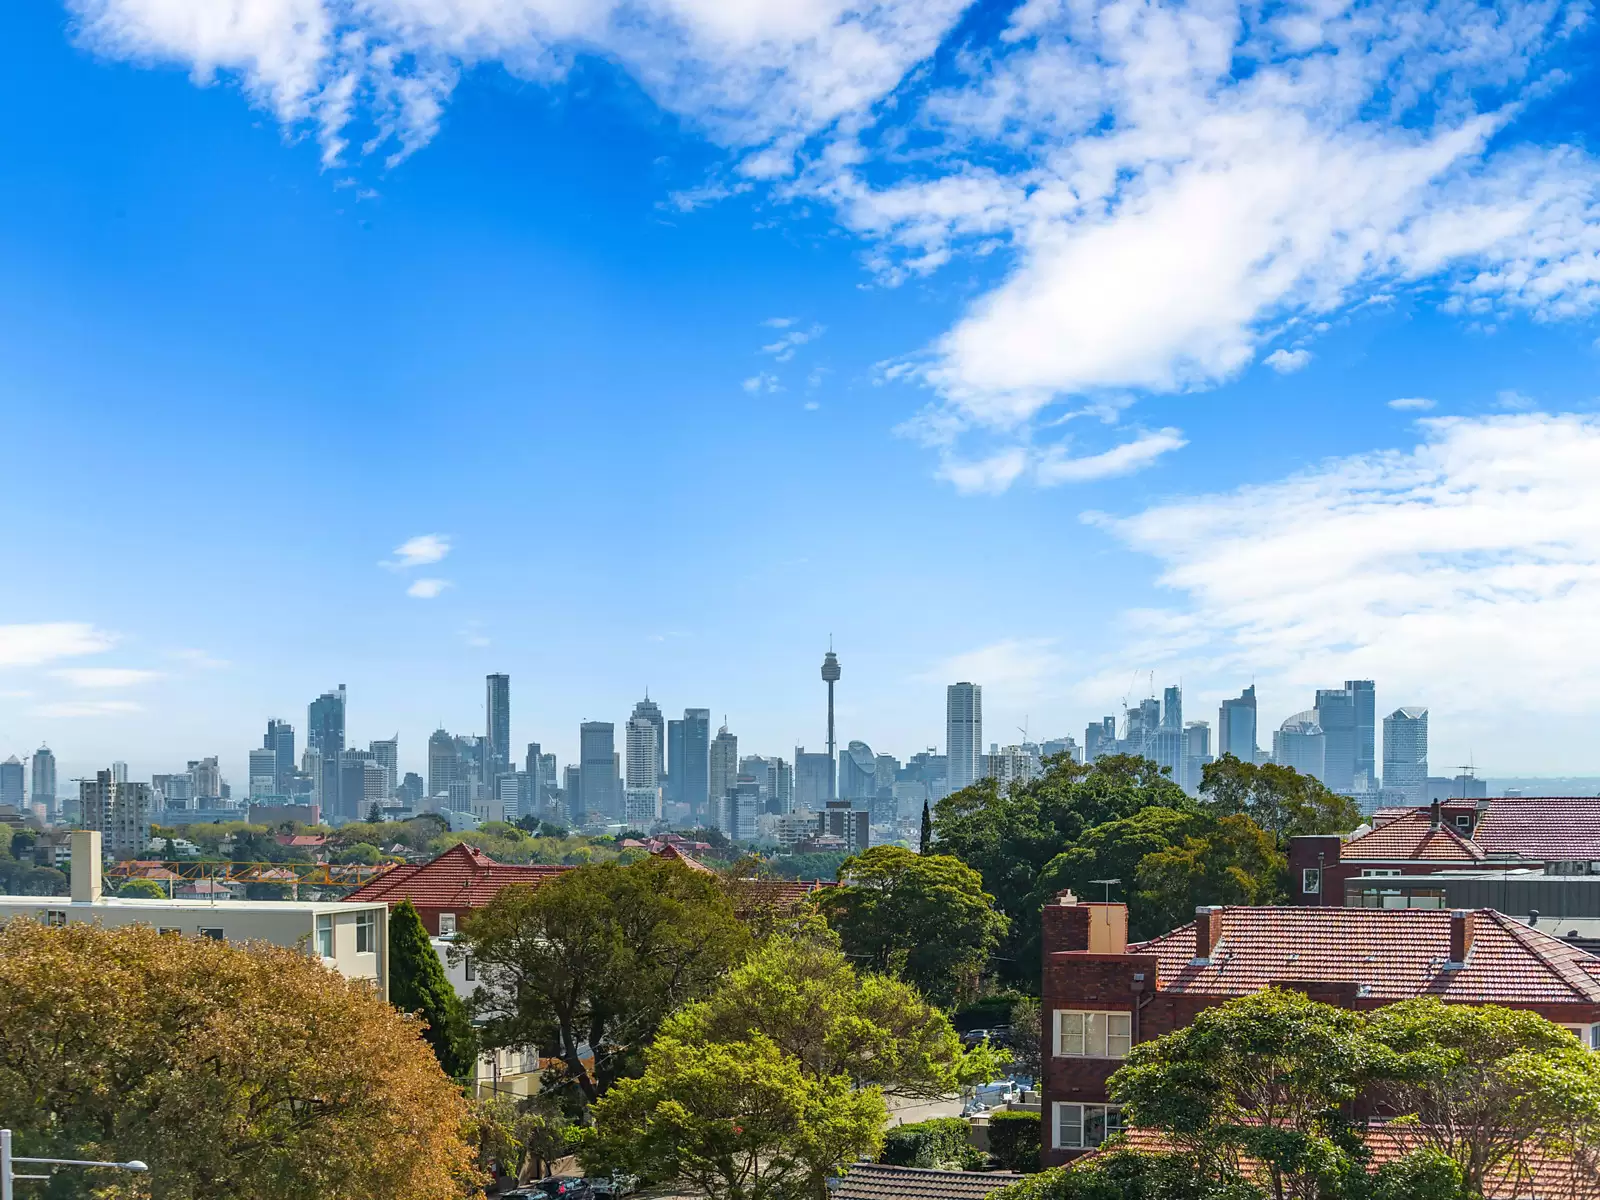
(29, 645)
(783, 349)
(105, 677)
(87, 708)
(419, 551)
(1020, 668)
(778, 322)
(763, 381)
(1287, 362)
(1463, 574)
(1411, 404)
(1052, 466)
(427, 589)
(1514, 401)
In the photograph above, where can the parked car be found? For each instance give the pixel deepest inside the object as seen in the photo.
(974, 1037)
(616, 1187)
(556, 1187)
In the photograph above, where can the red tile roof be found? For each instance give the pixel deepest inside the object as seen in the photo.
(1543, 827)
(1451, 808)
(880, 1181)
(673, 853)
(1411, 838)
(463, 876)
(1389, 954)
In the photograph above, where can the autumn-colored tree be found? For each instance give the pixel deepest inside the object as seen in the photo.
(598, 957)
(248, 1072)
(733, 1121)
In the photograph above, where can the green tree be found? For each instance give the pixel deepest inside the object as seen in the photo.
(1131, 1175)
(375, 813)
(142, 889)
(360, 852)
(1026, 1033)
(250, 1072)
(1224, 860)
(1009, 836)
(804, 996)
(733, 1121)
(524, 1136)
(888, 902)
(418, 984)
(598, 957)
(1484, 1085)
(925, 843)
(1279, 799)
(1264, 1077)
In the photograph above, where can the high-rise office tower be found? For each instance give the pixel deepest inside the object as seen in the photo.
(690, 767)
(262, 779)
(670, 782)
(830, 676)
(204, 773)
(497, 742)
(1100, 738)
(444, 762)
(651, 711)
(386, 753)
(1363, 696)
(597, 760)
(572, 787)
(280, 740)
(44, 780)
(812, 773)
(963, 733)
(1405, 754)
(325, 735)
(410, 791)
(724, 763)
(1236, 726)
(858, 772)
(1301, 743)
(1172, 708)
(13, 784)
(1197, 753)
(311, 768)
(643, 747)
(1336, 714)
(353, 800)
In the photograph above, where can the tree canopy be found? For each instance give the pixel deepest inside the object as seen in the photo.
(253, 1072)
(595, 959)
(888, 901)
(1278, 798)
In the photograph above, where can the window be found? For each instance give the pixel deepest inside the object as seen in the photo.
(367, 933)
(1093, 1034)
(215, 935)
(470, 967)
(55, 918)
(1379, 872)
(1081, 1126)
(164, 930)
(325, 935)
(1311, 881)
(447, 924)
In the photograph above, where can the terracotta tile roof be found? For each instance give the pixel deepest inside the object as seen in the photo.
(1546, 1175)
(777, 893)
(1388, 954)
(1450, 808)
(880, 1181)
(1411, 837)
(675, 854)
(302, 839)
(463, 876)
(1543, 827)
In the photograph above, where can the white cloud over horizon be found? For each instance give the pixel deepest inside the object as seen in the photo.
(420, 551)
(427, 589)
(30, 645)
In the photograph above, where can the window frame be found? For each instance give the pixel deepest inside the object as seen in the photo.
(211, 931)
(1311, 881)
(469, 969)
(55, 918)
(1109, 1118)
(324, 935)
(450, 917)
(1086, 1038)
(367, 932)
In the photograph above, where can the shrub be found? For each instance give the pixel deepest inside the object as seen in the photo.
(941, 1142)
(1015, 1138)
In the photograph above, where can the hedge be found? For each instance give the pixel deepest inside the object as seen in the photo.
(942, 1142)
(1015, 1138)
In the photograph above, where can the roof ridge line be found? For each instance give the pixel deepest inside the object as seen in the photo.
(1537, 942)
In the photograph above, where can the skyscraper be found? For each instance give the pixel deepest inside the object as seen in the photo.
(597, 761)
(651, 711)
(497, 742)
(44, 780)
(963, 733)
(13, 784)
(1363, 696)
(643, 749)
(572, 789)
(118, 809)
(1236, 726)
(1100, 738)
(812, 773)
(690, 766)
(1336, 714)
(280, 740)
(443, 762)
(1405, 754)
(1172, 708)
(724, 773)
(1300, 743)
(858, 772)
(386, 753)
(830, 676)
(325, 735)
(262, 779)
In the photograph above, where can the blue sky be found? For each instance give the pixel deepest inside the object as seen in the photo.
(1051, 347)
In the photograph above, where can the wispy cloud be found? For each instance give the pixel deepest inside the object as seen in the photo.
(783, 349)
(87, 708)
(105, 677)
(762, 381)
(1052, 466)
(420, 551)
(1287, 362)
(427, 589)
(29, 645)
(1024, 668)
(1411, 404)
(778, 322)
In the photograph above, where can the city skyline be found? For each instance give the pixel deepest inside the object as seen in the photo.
(738, 323)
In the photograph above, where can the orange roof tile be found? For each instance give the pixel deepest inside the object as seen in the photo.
(1389, 954)
(463, 876)
(1414, 838)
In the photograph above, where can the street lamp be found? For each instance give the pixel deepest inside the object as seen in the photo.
(7, 1161)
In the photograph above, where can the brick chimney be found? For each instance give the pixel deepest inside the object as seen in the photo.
(1462, 928)
(86, 886)
(1207, 932)
(1066, 924)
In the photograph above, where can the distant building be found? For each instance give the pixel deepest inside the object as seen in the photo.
(741, 809)
(597, 760)
(325, 734)
(1363, 695)
(1064, 744)
(858, 772)
(13, 784)
(205, 777)
(263, 773)
(1013, 764)
(1197, 753)
(642, 795)
(572, 789)
(443, 762)
(280, 740)
(1405, 754)
(44, 780)
(724, 760)
(1236, 726)
(497, 732)
(411, 791)
(1100, 738)
(963, 736)
(689, 761)
(813, 777)
(840, 820)
(386, 753)
(649, 710)
(1301, 744)
(119, 812)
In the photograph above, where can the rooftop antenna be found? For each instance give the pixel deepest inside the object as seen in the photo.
(1108, 883)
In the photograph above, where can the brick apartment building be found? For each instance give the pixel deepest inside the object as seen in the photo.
(1102, 995)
